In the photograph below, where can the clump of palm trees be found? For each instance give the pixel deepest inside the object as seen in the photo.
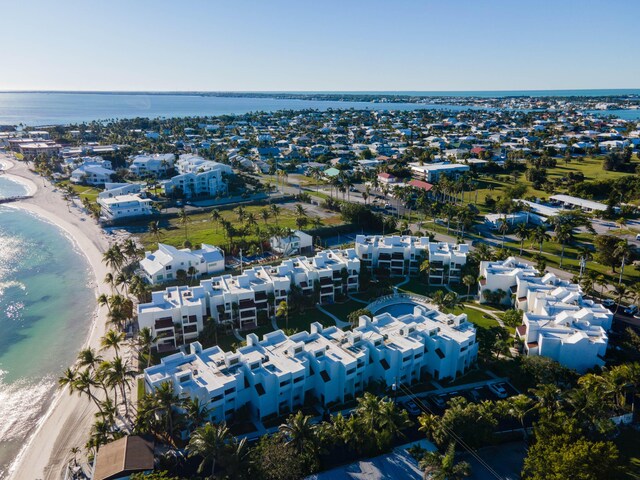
(105, 378)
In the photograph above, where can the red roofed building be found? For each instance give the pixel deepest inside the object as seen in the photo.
(387, 178)
(421, 185)
(478, 150)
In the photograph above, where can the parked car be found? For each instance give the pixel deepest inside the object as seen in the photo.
(607, 302)
(498, 389)
(388, 206)
(631, 310)
(474, 394)
(638, 236)
(439, 401)
(412, 408)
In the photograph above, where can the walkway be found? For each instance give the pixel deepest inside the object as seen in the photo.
(488, 312)
(339, 323)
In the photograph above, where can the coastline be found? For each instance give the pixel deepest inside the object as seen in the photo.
(68, 419)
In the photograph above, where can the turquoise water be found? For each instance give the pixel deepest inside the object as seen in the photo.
(398, 309)
(46, 310)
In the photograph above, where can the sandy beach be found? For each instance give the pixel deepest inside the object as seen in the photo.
(69, 418)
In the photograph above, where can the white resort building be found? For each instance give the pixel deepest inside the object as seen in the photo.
(402, 255)
(275, 375)
(124, 206)
(163, 264)
(198, 177)
(156, 165)
(558, 322)
(239, 299)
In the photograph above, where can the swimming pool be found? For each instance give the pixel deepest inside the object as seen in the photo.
(398, 309)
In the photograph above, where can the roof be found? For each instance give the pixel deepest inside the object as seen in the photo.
(426, 186)
(331, 172)
(124, 456)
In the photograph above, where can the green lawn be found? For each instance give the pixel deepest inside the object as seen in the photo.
(480, 319)
(201, 229)
(301, 321)
(590, 167)
(83, 191)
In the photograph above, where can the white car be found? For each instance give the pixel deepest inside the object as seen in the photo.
(607, 302)
(631, 310)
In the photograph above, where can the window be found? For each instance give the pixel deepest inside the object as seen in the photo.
(229, 391)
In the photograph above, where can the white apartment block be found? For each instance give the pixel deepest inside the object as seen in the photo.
(116, 189)
(91, 174)
(175, 316)
(402, 255)
(163, 264)
(156, 165)
(275, 375)
(558, 322)
(503, 275)
(431, 172)
(239, 299)
(124, 206)
(198, 177)
(298, 242)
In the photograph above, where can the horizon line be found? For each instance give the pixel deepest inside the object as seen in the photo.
(348, 92)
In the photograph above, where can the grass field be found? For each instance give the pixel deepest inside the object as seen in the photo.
(590, 167)
(84, 191)
(201, 229)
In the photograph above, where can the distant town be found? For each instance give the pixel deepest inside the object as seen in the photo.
(313, 288)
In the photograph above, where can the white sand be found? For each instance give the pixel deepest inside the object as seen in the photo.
(69, 418)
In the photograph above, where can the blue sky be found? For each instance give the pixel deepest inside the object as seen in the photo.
(319, 45)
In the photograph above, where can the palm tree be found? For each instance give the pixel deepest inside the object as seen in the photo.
(469, 281)
(623, 252)
(145, 341)
(283, 311)
(621, 292)
(112, 339)
(108, 279)
(184, 221)
(209, 442)
(265, 215)
(540, 235)
(518, 407)
(437, 466)
(300, 433)
(215, 218)
(275, 211)
(522, 232)
(85, 383)
(154, 229)
(165, 402)
(425, 268)
(197, 412)
(503, 228)
(119, 375)
(564, 234)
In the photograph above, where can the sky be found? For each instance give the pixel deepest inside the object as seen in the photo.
(322, 45)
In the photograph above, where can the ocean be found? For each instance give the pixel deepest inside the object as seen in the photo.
(37, 109)
(46, 310)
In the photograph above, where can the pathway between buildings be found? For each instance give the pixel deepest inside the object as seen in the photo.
(339, 323)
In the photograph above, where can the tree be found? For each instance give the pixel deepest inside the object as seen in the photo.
(519, 407)
(623, 253)
(469, 281)
(564, 234)
(540, 235)
(112, 339)
(300, 433)
(621, 292)
(209, 442)
(522, 232)
(561, 451)
(354, 317)
(437, 466)
(425, 269)
(503, 228)
(274, 459)
(183, 216)
(283, 311)
(606, 254)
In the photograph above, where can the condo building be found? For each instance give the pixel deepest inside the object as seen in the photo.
(239, 299)
(403, 255)
(558, 322)
(279, 373)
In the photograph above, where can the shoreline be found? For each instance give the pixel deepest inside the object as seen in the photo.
(68, 419)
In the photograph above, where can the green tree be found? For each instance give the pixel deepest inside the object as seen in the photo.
(210, 443)
(354, 316)
(437, 466)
